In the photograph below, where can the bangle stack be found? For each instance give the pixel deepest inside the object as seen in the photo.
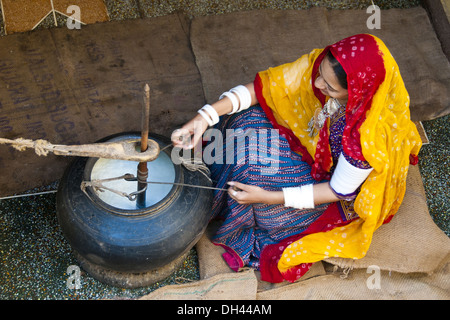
(234, 100)
(209, 114)
(240, 97)
(245, 98)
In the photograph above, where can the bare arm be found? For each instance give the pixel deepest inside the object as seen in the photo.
(198, 125)
(225, 106)
(248, 194)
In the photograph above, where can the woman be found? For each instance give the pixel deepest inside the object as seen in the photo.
(343, 151)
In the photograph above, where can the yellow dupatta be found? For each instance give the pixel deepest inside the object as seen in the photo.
(387, 139)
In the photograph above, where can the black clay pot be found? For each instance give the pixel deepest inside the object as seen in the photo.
(115, 241)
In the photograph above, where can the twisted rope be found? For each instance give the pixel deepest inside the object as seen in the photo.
(41, 147)
(193, 165)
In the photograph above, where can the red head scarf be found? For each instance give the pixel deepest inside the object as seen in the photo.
(362, 61)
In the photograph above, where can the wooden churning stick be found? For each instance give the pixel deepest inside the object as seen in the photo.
(117, 150)
(120, 150)
(142, 170)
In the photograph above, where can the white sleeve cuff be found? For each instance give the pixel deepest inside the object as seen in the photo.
(347, 178)
(299, 197)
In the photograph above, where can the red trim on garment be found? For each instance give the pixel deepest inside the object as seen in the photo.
(413, 159)
(230, 256)
(271, 254)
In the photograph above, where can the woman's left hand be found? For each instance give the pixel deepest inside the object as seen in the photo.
(248, 194)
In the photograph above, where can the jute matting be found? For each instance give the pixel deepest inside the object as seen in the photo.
(77, 86)
(26, 15)
(410, 255)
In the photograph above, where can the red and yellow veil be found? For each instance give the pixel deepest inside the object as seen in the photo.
(378, 129)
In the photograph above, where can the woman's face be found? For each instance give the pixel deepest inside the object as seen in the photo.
(328, 83)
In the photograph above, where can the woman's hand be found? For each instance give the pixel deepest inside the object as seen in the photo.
(248, 194)
(190, 134)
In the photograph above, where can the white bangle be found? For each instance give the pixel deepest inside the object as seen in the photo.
(347, 178)
(245, 98)
(234, 100)
(212, 113)
(299, 197)
(206, 117)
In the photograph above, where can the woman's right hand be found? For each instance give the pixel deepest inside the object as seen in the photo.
(190, 134)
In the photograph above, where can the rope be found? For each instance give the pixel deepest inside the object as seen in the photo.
(41, 147)
(190, 164)
(98, 186)
(197, 165)
(29, 194)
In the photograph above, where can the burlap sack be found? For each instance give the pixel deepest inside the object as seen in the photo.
(357, 284)
(225, 286)
(410, 246)
(360, 284)
(411, 241)
(439, 12)
(211, 263)
(411, 254)
(230, 49)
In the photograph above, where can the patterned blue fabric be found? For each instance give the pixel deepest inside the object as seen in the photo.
(262, 158)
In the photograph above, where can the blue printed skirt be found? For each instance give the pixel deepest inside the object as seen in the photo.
(247, 149)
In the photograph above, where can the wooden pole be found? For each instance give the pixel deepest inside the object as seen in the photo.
(142, 171)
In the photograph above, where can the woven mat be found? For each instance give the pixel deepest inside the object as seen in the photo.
(26, 15)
